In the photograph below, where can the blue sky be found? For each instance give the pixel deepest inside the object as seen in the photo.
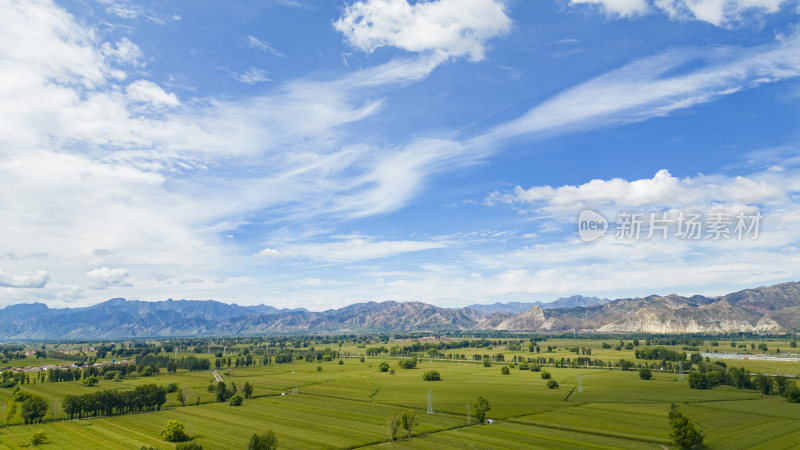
(323, 153)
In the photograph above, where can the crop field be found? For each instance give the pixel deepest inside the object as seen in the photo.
(328, 404)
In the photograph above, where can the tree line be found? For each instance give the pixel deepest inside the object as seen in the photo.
(717, 373)
(108, 402)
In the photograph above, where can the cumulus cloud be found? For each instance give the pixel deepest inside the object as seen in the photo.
(124, 51)
(662, 190)
(104, 277)
(453, 28)
(33, 280)
(721, 13)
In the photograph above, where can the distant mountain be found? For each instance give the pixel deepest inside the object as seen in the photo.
(518, 307)
(767, 309)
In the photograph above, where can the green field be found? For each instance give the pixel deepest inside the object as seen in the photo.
(349, 406)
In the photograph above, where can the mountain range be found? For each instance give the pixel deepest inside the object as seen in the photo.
(518, 307)
(763, 309)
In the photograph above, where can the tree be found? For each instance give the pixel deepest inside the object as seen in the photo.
(645, 373)
(174, 432)
(394, 427)
(685, 433)
(38, 438)
(236, 400)
(793, 393)
(410, 363)
(552, 384)
(188, 446)
(384, 367)
(33, 409)
(432, 375)
(91, 381)
(223, 393)
(408, 420)
(699, 380)
(181, 396)
(247, 390)
(763, 383)
(505, 371)
(480, 408)
(263, 441)
(545, 375)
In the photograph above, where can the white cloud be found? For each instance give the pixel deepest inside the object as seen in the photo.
(255, 43)
(663, 190)
(144, 91)
(125, 167)
(721, 13)
(124, 52)
(452, 28)
(657, 86)
(348, 251)
(34, 280)
(103, 278)
(252, 75)
(131, 10)
(621, 8)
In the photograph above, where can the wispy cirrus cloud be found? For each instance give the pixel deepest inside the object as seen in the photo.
(255, 43)
(657, 86)
(349, 250)
(253, 75)
(721, 13)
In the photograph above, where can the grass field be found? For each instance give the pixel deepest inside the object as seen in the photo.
(349, 405)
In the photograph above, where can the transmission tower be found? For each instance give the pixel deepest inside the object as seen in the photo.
(580, 386)
(680, 370)
(468, 411)
(430, 403)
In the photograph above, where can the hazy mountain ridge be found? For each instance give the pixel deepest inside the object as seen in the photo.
(767, 309)
(518, 307)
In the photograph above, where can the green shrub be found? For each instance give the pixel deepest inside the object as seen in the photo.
(545, 375)
(505, 370)
(410, 363)
(174, 432)
(432, 375)
(38, 438)
(552, 384)
(236, 400)
(263, 441)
